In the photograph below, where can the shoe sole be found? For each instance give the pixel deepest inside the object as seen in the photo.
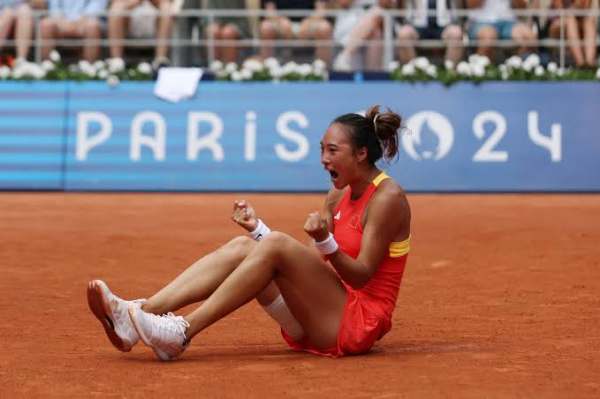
(132, 315)
(100, 308)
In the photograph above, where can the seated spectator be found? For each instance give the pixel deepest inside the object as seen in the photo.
(16, 20)
(141, 24)
(421, 25)
(313, 27)
(491, 20)
(73, 19)
(360, 27)
(228, 28)
(577, 29)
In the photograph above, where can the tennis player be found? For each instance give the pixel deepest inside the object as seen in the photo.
(333, 298)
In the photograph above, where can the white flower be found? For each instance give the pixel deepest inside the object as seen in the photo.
(216, 66)
(276, 72)
(246, 74)
(17, 73)
(54, 56)
(115, 65)
(478, 70)
(532, 61)
(422, 63)
(393, 65)
(290, 67)
(503, 71)
(319, 65)
(252, 65)
(99, 65)
(236, 76)
(463, 68)
(539, 70)
(449, 64)
(145, 68)
(598, 74)
(87, 68)
(48, 65)
(560, 72)
(484, 60)
(102, 74)
(4, 72)
(552, 67)
(481, 60)
(113, 80)
(408, 69)
(431, 70)
(272, 63)
(231, 67)
(514, 62)
(304, 70)
(222, 74)
(37, 71)
(28, 70)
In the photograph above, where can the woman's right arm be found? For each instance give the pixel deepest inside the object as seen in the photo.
(331, 201)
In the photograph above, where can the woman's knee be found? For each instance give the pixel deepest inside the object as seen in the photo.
(452, 32)
(230, 32)
(268, 30)
(324, 30)
(487, 33)
(407, 32)
(241, 245)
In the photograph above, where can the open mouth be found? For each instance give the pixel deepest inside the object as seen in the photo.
(333, 174)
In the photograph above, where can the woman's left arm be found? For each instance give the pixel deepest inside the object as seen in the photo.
(388, 217)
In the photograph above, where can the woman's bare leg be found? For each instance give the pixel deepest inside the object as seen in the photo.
(572, 29)
(24, 30)
(312, 290)
(371, 21)
(589, 37)
(199, 280)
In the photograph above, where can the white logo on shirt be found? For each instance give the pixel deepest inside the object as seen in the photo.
(338, 215)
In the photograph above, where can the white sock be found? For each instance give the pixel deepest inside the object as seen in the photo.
(280, 312)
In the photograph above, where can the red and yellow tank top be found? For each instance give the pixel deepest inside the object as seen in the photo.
(382, 289)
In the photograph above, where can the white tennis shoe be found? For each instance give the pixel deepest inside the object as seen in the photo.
(112, 313)
(164, 334)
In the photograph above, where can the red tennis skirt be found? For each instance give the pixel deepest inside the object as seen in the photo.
(361, 326)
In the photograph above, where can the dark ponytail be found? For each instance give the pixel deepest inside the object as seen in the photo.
(378, 131)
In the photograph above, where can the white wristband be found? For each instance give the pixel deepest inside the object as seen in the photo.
(327, 246)
(260, 232)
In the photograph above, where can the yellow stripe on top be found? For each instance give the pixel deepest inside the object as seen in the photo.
(399, 248)
(380, 177)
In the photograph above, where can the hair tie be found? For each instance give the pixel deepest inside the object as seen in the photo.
(375, 122)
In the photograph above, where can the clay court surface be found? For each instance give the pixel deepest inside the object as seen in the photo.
(500, 300)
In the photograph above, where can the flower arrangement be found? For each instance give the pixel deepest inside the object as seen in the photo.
(112, 70)
(269, 70)
(478, 68)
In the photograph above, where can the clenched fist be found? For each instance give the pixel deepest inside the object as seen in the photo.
(316, 227)
(244, 215)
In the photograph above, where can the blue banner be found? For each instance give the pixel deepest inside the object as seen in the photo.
(265, 136)
(32, 135)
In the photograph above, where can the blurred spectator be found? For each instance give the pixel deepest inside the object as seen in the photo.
(141, 23)
(73, 19)
(494, 19)
(16, 20)
(228, 28)
(361, 26)
(313, 27)
(421, 25)
(577, 29)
